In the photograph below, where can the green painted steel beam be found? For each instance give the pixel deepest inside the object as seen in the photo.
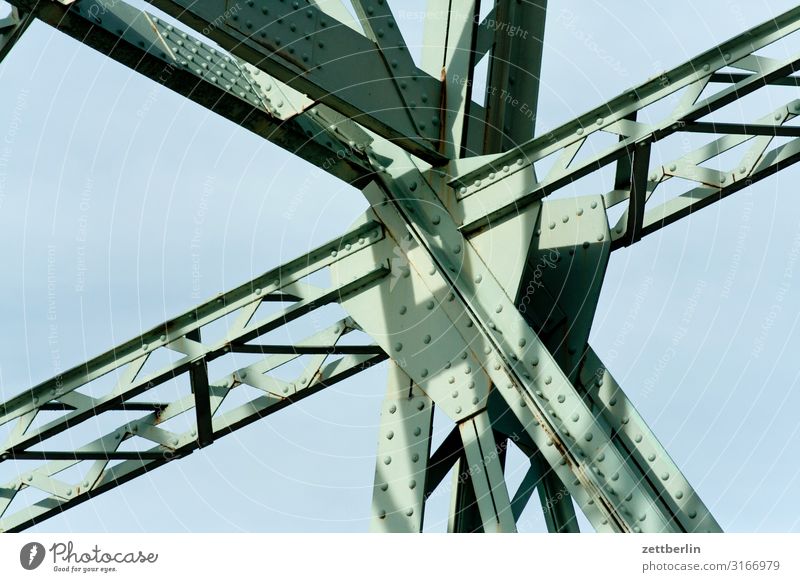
(534, 382)
(316, 54)
(515, 62)
(213, 79)
(126, 365)
(499, 187)
(345, 94)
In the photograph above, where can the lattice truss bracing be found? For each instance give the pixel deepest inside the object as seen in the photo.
(436, 273)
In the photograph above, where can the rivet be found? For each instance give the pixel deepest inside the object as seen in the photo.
(638, 438)
(426, 339)
(387, 460)
(455, 394)
(664, 476)
(398, 346)
(588, 436)
(410, 511)
(390, 435)
(392, 409)
(412, 484)
(478, 278)
(403, 309)
(692, 514)
(417, 431)
(679, 495)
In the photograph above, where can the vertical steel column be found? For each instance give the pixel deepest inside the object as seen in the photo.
(512, 85)
(404, 441)
(485, 469)
(454, 63)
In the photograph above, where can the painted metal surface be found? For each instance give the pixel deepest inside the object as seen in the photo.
(479, 289)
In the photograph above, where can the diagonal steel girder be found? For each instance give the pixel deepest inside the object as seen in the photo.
(44, 422)
(307, 48)
(212, 78)
(490, 188)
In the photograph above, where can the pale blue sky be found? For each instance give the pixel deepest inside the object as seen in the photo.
(101, 153)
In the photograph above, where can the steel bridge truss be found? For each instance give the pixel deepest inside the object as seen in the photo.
(442, 276)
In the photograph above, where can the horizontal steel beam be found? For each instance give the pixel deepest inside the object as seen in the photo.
(741, 129)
